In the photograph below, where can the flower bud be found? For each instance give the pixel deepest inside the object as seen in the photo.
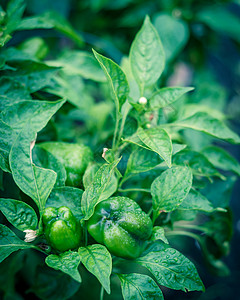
(142, 100)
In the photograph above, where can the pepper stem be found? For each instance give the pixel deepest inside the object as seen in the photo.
(101, 293)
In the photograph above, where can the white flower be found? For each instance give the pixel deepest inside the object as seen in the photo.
(142, 100)
(30, 235)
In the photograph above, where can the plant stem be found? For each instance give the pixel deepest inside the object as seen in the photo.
(150, 211)
(124, 117)
(36, 247)
(124, 145)
(86, 234)
(101, 293)
(116, 130)
(185, 233)
(134, 190)
(190, 226)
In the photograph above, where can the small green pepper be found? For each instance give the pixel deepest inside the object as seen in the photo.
(74, 157)
(62, 230)
(120, 224)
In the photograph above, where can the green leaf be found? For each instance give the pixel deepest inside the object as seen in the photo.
(45, 159)
(178, 147)
(134, 139)
(190, 109)
(195, 140)
(221, 159)
(80, 63)
(24, 120)
(66, 196)
(158, 234)
(203, 122)
(209, 92)
(97, 260)
(7, 136)
(12, 91)
(19, 214)
(33, 75)
(186, 215)
(35, 47)
(172, 269)
(93, 194)
(134, 93)
(147, 57)
(89, 176)
(73, 88)
(198, 163)
(167, 96)
(139, 287)
(116, 78)
(173, 32)
(34, 181)
(37, 112)
(15, 9)
(15, 117)
(220, 19)
(170, 189)
(142, 160)
(66, 262)
(37, 22)
(10, 243)
(14, 12)
(49, 20)
(13, 54)
(196, 201)
(158, 141)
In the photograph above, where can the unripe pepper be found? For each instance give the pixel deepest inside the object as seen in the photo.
(62, 230)
(74, 157)
(120, 224)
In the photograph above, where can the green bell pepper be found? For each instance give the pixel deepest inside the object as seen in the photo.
(62, 230)
(120, 224)
(74, 157)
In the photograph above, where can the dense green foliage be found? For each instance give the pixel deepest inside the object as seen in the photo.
(77, 128)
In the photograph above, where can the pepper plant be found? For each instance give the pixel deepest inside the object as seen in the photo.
(114, 216)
